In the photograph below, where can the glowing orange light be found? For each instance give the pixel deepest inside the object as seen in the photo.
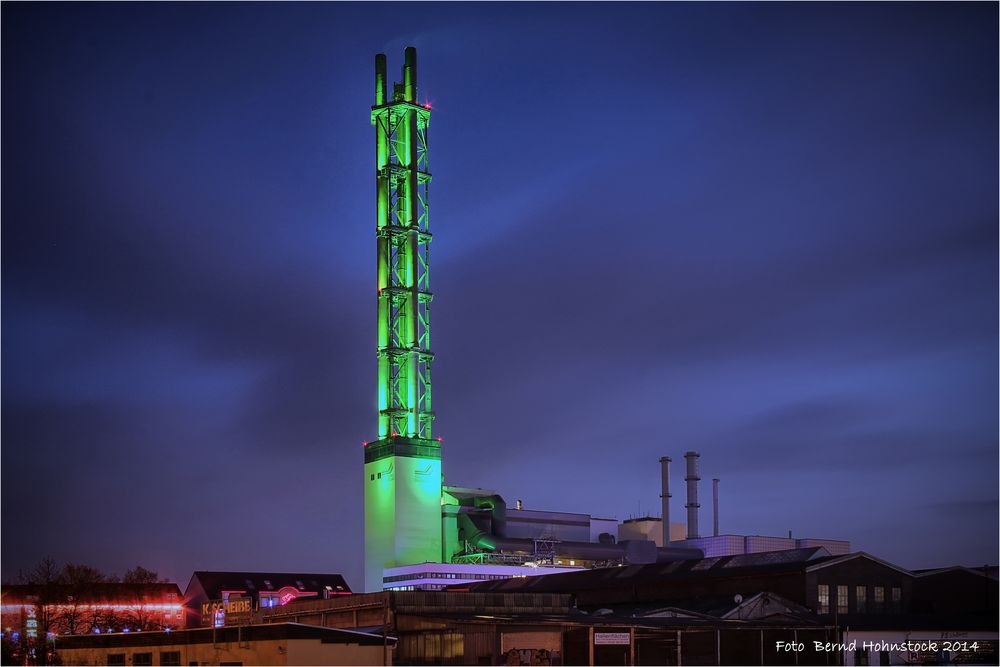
(115, 607)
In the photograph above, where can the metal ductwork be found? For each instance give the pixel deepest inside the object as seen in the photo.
(632, 552)
(692, 505)
(665, 497)
(498, 512)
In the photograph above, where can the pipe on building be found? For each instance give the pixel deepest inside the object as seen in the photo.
(692, 505)
(410, 74)
(380, 79)
(715, 506)
(498, 512)
(665, 497)
(475, 535)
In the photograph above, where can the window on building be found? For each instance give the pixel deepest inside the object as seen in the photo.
(116, 658)
(142, 658)
(879, 605)
(170, 658)
(842, 606)
(897, 599)
(824, 599)
(861, 597)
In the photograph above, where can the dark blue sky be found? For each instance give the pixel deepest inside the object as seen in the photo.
(765, 232)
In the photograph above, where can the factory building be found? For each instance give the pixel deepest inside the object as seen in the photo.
(411, 518)
(650, 528)
(720, 544)
(413, 521)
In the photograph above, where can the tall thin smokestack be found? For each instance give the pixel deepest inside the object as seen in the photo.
(715, 507)
(665, 497)
(692, 489)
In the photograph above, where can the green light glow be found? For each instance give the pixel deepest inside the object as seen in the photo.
(402, 467)
(403, 271)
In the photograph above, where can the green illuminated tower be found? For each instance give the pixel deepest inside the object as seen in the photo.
(403, 466)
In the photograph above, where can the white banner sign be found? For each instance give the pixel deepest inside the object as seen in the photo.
(605, 638)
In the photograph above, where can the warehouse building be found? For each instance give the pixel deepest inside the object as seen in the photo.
(523, 628)
(273, 644)
(211, 596)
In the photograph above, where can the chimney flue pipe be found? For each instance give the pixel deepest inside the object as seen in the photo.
(715, 507)
(665, 497)
(692, 493)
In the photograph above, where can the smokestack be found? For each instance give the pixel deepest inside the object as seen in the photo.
(380, 98)
(665, 497)
(715, 507)
(410, 74)
(692, 489)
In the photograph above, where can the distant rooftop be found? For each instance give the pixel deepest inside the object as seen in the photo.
(744, 564)
(254, 582)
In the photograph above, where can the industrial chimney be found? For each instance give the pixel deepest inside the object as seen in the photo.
(692, 492)
(715, 507)
(665, 497)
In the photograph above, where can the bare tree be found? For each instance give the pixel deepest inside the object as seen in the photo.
(77, 598)
(137, 582)
(79, 613)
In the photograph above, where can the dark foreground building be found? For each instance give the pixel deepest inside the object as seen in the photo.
(796, 607)
(463, 628)
(278, 644)
(208, 594)
(952, 611)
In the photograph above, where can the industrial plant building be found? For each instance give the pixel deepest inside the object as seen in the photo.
(411, 517)
(456, 575)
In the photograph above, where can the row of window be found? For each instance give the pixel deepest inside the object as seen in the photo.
(861, 606)
(446, 575)
(166, 658)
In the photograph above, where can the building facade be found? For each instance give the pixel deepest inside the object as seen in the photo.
(211, 596)
(272, 644)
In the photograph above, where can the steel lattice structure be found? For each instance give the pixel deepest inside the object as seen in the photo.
(403, 466)
(404, 297)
